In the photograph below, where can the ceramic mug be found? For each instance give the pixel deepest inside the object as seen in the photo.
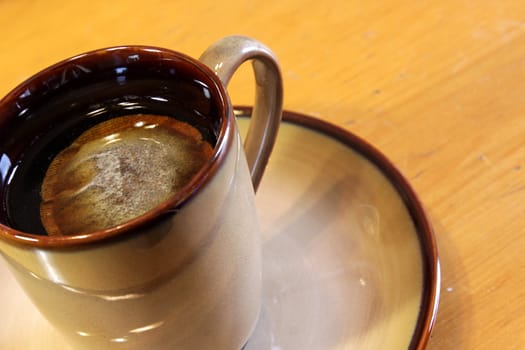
(185, 275)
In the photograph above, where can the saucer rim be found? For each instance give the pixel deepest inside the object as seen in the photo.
(426, 236)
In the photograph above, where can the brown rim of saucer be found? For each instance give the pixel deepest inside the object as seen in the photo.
(431, 269)
(171, 205)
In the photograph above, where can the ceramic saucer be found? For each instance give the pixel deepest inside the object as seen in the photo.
(350, 260)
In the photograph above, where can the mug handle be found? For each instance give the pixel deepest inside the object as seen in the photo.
(224, 57)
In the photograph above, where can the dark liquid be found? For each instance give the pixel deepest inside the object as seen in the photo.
(57, 115)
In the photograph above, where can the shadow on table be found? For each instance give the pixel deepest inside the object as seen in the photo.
(455, 308)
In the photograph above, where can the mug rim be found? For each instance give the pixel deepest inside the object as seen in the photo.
(169, 206)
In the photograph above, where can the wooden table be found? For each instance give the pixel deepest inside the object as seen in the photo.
(439, 87)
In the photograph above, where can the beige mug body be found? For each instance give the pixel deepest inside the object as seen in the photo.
(186, 275)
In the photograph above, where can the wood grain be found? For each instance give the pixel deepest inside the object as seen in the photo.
(439, 87)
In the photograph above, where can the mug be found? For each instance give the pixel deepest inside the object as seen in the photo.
(184, 275)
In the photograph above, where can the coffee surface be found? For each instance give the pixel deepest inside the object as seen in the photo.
(119, 170)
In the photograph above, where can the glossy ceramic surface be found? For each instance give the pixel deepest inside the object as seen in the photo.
(349, 258)
(184, 274)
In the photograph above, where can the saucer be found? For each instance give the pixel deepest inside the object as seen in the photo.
(350, 259)
(349, 256)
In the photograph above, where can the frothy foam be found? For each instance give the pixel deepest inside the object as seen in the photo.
(119, 170)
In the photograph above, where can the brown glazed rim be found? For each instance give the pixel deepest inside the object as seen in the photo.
(431, 269)
(171, 205)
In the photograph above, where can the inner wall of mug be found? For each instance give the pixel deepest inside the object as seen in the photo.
(48, 112)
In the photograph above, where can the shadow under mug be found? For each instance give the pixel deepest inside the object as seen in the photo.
(185, 275)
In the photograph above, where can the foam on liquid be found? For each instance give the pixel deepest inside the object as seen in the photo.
(119, 170)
